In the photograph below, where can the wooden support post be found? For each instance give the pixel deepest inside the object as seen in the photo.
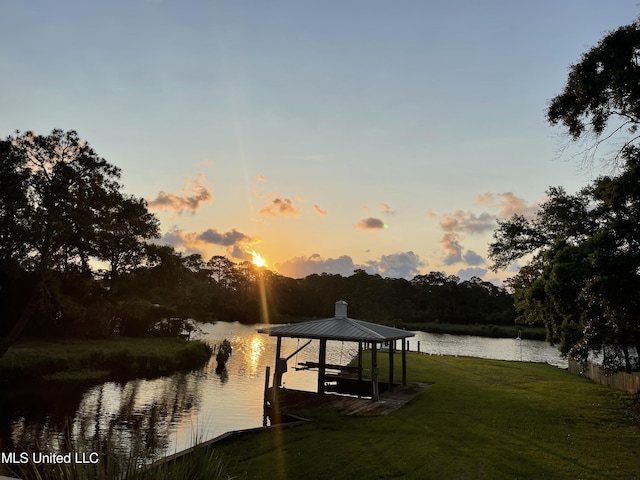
(322, 360)
(277, 374)
(359, 369)
(392, 347)
(404, 363)
(266, 390)
(375, 392)
(278, 347)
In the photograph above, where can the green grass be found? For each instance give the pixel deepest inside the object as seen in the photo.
(478, 419)
(91, 360)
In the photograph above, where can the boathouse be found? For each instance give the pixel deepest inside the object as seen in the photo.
(343, 328)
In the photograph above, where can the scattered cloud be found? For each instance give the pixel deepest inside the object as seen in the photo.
(370, 224)
(456, 224)
(278, 206)
(224, 239)
(508, 204)
(204, 163)
(460, 221)
(185, 202)
(452, 248)
(319, 211)
(386, 209)
(398, 265)
(236, 243)
(180, 241)
(300, 267)
(455, 253)
(467, 273)
(240, 252)
(472, 258)
(261, 178)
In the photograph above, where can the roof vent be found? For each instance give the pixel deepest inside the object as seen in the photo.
(341, 309)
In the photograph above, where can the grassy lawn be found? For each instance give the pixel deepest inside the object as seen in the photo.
(79, 359)
(478, 419)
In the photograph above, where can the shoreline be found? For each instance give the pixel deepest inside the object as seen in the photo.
(98, 360)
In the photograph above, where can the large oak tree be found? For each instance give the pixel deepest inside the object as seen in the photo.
(582, 277)
(61, 205)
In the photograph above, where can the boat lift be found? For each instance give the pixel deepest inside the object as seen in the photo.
(281, 365)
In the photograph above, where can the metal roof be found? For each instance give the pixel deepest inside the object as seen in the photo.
(338, 328)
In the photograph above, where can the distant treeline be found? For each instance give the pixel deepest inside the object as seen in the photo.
(223, 290)
(170, 285)
(433, 297)
(78, 259)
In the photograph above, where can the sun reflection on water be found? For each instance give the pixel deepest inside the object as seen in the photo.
(257, 349)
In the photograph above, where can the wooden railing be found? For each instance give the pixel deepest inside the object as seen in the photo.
(620, 380)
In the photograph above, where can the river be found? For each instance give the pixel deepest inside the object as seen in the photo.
(168, 414)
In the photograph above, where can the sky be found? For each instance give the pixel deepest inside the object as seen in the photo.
(324, 136)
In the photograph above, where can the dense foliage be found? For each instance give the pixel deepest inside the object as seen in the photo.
(601, 99)
(582, 276)
(221, 289)
(61, 210)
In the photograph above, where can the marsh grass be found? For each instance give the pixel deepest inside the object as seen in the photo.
(74, 359)
(114, 464)
(478, 419)
(479, 330)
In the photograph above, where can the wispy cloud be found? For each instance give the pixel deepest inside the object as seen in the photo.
(386, 209)
(508, 204)
(184, 202)
(454, 252)
(370, 223)
(278, 206)
(319, 211)
(451, 247)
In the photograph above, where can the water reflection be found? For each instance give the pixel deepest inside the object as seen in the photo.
(140, 412)
(167, 414)
(257, 349)
(494, 348)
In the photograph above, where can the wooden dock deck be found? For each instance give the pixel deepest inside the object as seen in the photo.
(292, 402)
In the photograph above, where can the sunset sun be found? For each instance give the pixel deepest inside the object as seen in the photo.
(258, 261)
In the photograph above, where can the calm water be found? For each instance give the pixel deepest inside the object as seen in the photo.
(166, 414)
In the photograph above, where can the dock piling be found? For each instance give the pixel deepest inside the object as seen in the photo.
(264, 397)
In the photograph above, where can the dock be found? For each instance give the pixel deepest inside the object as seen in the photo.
(285, 403)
